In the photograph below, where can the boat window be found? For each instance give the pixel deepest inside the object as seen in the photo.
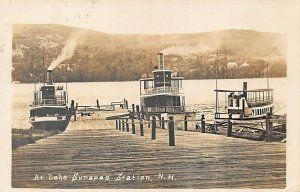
(48, 92)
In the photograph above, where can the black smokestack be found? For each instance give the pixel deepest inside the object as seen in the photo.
(161, 60)
(49, 77)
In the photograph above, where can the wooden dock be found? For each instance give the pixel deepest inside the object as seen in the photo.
(93, 147)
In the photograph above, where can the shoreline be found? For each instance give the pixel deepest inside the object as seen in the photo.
(21, 137)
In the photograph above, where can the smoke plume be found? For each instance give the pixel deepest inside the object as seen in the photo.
(68, 51)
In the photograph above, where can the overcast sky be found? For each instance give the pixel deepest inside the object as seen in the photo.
(164, 16)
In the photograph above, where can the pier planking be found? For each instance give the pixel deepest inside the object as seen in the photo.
(92, 146)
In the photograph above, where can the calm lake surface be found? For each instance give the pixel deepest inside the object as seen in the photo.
(199, 94)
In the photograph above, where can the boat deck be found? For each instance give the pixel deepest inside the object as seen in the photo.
(92, 146)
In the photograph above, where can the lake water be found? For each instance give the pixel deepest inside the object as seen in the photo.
(199, 94)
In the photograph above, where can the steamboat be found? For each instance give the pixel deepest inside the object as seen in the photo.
(244, 104)
(163, 92)
(49, 109)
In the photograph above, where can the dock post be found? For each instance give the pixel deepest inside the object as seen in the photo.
(162, 122)
(98, 106)
(73, 110)
(138, 110)
(76, 106)
(185, 123)
(149, 122)
(159, 121)
(153, 136)
(229, 126)
(133, 126)
(133, 108)
(117, 124)
(126, 103)
(127, 125)
(141, 127)
(202, 124)
(171, 131)
(269, 127)
(142, 115)
(123, 125)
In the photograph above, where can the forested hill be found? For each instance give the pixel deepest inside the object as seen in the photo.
(116, 57)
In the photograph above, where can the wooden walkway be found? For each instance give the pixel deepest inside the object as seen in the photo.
(94, 148)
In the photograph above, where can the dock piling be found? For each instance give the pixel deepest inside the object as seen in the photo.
(133, 108)
(269, 127)
(98, 106)
(73, 110)
(202, 123)
(153, 136)
(133, 126)
(117, 124)
(123, 125)
(149, 122)
(229, 126)
(127, 125)
(138, 110)
(162, 122)
(141, 127)
(171, 131)
(185, 123)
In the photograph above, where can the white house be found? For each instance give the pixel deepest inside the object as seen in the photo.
(245, 65)
(231, 65)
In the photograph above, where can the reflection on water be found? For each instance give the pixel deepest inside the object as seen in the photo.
(199, 94)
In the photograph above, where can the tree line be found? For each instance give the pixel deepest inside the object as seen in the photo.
(90, 64)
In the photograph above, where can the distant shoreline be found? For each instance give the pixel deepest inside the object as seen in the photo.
(138, 80)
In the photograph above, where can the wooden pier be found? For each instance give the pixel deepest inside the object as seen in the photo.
(93, 147)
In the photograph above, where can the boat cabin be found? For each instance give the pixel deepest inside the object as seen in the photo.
(50, 95)
(162, 93)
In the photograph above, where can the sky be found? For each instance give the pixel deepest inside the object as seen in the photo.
(156, 17)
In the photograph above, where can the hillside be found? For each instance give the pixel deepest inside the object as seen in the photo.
(116, 57)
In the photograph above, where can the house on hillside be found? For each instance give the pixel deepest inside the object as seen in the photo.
(231, 65)
(244, 65)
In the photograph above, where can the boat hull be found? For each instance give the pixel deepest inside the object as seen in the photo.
(257, 113)
(60, 125)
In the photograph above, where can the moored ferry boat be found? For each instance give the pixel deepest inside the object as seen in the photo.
(244, 104)
(163, 92)
(49, 109)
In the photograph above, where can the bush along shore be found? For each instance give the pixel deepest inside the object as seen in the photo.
(22, 137)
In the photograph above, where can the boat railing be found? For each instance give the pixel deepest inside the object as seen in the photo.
(52, 102)
(164, 109)
(257, 103)
(165, 89)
